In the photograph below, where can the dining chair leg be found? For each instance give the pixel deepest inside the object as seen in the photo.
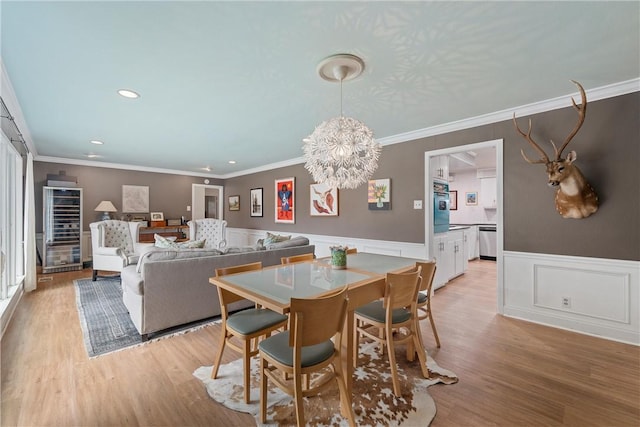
(433, 326)
(422, 357)
(297, 386)
(246, 368)
(216, 363)
(346, 408)
(392, 360)
(263, 390)
(356, 342)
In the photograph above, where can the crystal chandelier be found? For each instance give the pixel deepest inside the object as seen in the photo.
(341, 151)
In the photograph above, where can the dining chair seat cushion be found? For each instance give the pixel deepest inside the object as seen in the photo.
(422, 297)
(375, 311)
(277, 346)
(247, 322)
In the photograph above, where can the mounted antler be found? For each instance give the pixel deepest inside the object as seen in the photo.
(575, 198)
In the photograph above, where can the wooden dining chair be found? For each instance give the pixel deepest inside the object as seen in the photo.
(424, 295)
(241, 330)
(296, 258)
(397, 312)
(311, 344)
(352, 251)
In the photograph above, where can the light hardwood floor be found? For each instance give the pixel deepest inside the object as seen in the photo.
(511, 372)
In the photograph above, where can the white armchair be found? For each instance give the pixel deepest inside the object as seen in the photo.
(114, 245)
(213, 230)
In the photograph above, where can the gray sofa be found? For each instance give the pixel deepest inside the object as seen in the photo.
(170, 287)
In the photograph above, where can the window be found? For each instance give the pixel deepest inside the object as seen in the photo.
(11, 208)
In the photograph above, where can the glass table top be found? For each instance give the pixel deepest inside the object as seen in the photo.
(310, 279)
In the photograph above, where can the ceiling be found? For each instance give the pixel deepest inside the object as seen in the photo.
(223, 81)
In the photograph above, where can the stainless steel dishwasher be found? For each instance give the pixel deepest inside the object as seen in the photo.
(488, 242)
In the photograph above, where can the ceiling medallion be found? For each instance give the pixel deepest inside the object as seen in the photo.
(341, 151)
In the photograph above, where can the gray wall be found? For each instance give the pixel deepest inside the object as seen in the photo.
(608, 147)
(170, 194)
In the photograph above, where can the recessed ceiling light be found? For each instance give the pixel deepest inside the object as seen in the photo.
(128, 93)
(232, 162)
(95, 141)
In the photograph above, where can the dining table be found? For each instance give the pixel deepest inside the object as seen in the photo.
(364, 275)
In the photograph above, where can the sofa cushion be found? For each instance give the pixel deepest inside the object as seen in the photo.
(175, 253)
(238, 249)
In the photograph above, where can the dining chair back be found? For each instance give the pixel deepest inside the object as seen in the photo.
(296, 258)
(352, 251)
(394, 321)
(241, 330)
(424, 295)
(312, 343)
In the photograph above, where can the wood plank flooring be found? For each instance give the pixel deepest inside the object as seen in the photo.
(512, 373)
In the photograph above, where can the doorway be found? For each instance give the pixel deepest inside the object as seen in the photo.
(497, 145)
(207, 201)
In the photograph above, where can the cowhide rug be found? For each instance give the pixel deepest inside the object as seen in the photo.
(373, 400)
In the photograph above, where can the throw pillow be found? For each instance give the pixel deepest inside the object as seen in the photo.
(274, 238)
(168, 243)
(191, 244)
(163, 242)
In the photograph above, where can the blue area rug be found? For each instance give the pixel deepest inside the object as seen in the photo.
(105, 321)
(106, 325)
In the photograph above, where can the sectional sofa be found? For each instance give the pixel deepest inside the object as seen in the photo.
(170, 287)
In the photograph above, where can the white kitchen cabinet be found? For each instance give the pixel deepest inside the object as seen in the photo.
(450, 255)
(439, 166)
(455, 249)
(488, 193)
(444, 261)
(471, 242)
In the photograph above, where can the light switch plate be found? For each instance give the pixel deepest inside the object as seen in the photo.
(417, 204)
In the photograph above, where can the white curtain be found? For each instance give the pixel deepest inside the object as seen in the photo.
(29, 229)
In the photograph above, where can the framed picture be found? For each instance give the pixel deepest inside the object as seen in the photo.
(135, 199)
(157, 216)
(379, 194)
(471, 198)
(285, 200)
(323, 200)
(453, 200)
(255, 196)
(234, 203)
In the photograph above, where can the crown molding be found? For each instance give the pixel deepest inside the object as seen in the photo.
(595, 94)
(122, 166)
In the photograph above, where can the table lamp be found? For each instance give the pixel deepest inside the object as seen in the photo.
(105, 207)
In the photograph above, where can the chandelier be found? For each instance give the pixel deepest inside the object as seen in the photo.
(341, 151)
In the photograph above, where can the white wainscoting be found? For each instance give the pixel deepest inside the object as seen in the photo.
(594, 296)
(249, 237)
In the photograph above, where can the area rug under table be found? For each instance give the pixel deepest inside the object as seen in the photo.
(373, 400)
(105, 321)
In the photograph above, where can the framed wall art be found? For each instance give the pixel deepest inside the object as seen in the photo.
(255, 197)
(234, 203)
(285, 200)
(135, 199)
(471, 198)
(157, 216)
(379, 194)
(323, 200)
(453, 200)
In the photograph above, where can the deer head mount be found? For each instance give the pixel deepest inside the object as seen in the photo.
(575, 198)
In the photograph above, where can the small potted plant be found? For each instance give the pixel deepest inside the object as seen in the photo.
(338, 257)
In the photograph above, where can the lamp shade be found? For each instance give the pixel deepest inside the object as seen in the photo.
(105, 207)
